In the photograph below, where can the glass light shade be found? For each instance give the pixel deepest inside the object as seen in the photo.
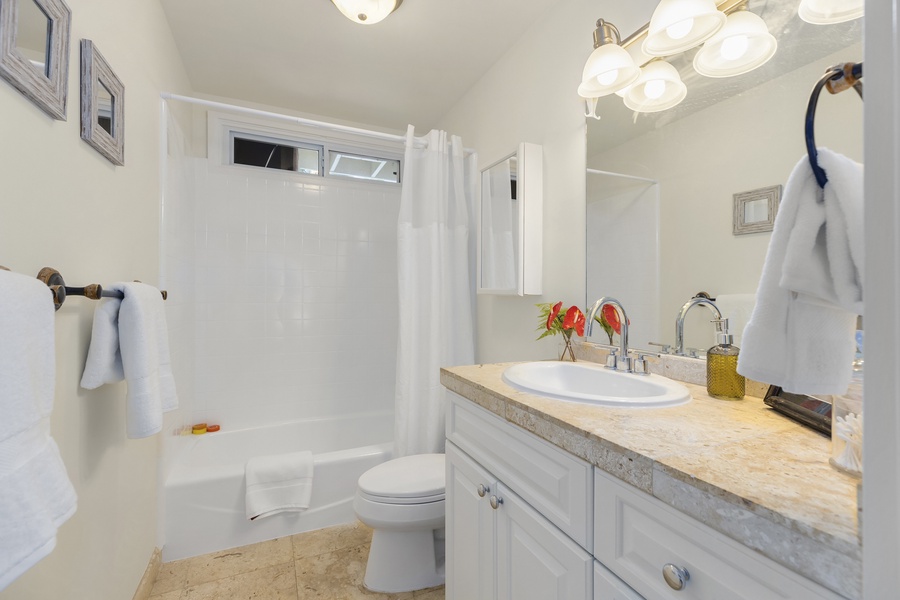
(366, 12)
(743, 44)
(608, 69)
(678, 25)
(658, 88)
(827, 12)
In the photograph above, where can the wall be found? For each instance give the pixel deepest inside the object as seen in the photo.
(64, 205)
(529, 95)
(750, 141)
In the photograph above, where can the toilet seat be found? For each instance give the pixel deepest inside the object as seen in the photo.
(418, 479)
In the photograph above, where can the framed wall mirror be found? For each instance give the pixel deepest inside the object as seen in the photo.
(510, 224)
(34, 51)
(102, 105)
(754, 211)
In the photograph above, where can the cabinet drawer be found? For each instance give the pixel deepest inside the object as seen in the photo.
(609, 587)
(554, 482)
(636, 535)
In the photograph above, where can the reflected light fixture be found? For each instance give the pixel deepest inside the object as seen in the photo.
(828, 12)
(609, 68)
(743, 44)
(679, 25)
(659, 87)
(366, 12)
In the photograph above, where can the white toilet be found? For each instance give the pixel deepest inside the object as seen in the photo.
(403, 501)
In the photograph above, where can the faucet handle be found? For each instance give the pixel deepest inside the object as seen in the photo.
(641, 366)
(664, 348)
(612, 359)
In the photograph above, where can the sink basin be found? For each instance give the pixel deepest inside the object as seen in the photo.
(590, 383)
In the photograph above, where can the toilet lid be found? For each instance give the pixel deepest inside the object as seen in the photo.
(412, 477)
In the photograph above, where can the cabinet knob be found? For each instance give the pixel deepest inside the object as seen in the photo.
(676, 577)
(496, 502)
(482, 489)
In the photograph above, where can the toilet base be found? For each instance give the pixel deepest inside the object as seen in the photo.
(404, 561)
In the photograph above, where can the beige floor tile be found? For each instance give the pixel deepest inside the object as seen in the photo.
(268, 583)
(228, 563)
(174, 595)
(338, 575)
(313, 543)
(171, 577)
(435, 593)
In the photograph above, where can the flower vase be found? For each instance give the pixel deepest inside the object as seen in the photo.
(567, 352)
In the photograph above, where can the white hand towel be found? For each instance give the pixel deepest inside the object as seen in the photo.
(36, 496)
(130, 340)
(278, 483)
(801, 333)
(737, 308)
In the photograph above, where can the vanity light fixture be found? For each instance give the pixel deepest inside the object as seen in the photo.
(828, 12)
(743, 44)
(679, 25)
(608, 69)
(658, 88)
(366, 12)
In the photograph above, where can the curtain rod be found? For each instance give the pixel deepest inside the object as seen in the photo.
(391, 137)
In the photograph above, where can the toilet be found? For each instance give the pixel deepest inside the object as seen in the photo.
(402, 500)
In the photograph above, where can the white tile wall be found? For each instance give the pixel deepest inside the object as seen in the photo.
(294, 304)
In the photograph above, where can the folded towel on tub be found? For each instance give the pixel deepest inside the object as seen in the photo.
(36, 496)
(130, 341)
(278, 483)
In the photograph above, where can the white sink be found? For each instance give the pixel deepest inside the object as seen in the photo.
(591, 383)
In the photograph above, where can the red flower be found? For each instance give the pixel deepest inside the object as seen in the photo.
(574, 318)
(554, 312)
(611, 315)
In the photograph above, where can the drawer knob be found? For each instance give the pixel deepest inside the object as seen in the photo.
(496, 502)
(676, 577)
(482, 489)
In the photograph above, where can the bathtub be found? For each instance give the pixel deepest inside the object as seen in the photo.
(204, 493)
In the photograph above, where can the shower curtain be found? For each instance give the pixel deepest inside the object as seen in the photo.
(435, 272)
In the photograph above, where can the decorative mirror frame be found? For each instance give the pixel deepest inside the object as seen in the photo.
(772, 196)
(49, 93)
(96, 72)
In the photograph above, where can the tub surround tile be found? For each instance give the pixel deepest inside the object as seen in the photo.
(739, 467)
(268, 583)
(235, 561)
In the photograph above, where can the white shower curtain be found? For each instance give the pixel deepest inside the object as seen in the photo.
(435, 278)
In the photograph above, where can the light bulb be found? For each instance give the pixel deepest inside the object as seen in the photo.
(678, 30)
(734, 47)
(608, 77)
(655, 88)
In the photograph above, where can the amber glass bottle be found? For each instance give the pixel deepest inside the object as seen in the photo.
(722, 378)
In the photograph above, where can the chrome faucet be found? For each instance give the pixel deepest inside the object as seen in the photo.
(613, 361)
(679, 322)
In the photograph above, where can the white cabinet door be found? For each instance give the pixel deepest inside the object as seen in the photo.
(535, 560)
(471, 529)
(609, 587)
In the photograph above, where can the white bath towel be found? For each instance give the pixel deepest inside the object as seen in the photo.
(36, 496)
(737, 308)
(278, 483)
(130, 340)
(801, 333)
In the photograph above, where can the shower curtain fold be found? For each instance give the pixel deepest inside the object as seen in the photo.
(435, 271)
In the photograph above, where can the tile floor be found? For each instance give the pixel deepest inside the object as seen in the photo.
(327, 564)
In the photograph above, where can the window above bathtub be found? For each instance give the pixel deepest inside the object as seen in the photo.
(258, 143)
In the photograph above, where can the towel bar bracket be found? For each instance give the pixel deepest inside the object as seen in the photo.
(54, 280)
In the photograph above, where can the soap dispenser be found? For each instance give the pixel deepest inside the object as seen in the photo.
(722, 379)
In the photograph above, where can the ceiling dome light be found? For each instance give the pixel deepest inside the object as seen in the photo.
(366, 12)
(658, 88)
(609, 68)
(678, 25)
(743, 44)
(827, 12)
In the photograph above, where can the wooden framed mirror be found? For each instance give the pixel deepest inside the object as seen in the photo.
(102, 105)
(34, 51)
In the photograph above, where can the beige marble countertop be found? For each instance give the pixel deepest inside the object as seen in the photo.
(738, 467)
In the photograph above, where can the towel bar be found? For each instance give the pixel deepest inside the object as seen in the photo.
(54, 280)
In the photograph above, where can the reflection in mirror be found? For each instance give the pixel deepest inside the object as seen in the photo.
(728, 136)
(756, 211)
(105, 108)
(499, 226)
(33, 31)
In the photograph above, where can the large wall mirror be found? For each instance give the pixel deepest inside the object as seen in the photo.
(510, 229)
(661, 186)
(34, 51)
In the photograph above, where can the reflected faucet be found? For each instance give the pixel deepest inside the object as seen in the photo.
(613, 361)
(679, 322)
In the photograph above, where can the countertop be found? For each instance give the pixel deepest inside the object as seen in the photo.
(736, 466)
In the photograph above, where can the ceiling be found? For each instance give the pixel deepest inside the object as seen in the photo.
(303, 55)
